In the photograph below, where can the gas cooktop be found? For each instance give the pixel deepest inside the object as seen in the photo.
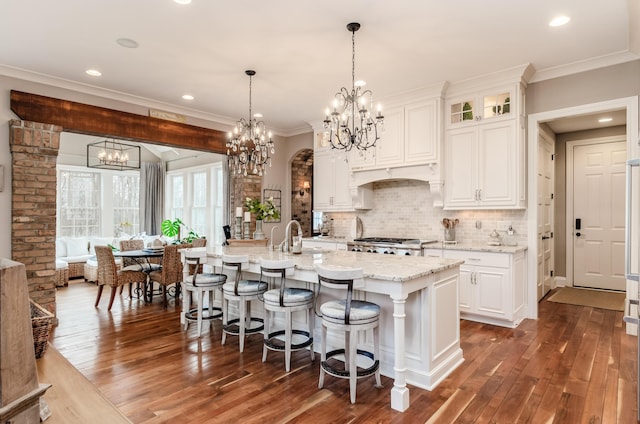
(387, 240)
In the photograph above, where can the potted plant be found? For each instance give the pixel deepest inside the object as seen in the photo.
(263, 211)
(172, 229)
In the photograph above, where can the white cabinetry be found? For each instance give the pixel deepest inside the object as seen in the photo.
(326, 244)
(484, 147)
(331, 181)
(481, 166)
(410, 137)
(492, 285)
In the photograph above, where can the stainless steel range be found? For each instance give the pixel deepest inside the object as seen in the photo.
(388, 245)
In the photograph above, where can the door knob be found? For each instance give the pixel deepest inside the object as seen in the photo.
(545, 237)
(578, 234)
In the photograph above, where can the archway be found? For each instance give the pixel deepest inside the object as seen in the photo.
(302, 197)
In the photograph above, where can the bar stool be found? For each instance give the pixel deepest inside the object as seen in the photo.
(243, 291)
(287, 300)
(349, 316)
(201, 285)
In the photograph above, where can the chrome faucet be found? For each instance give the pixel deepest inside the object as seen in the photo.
(271, 245)
(286, 243)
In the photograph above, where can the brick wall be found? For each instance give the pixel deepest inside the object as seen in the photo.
(34, 150)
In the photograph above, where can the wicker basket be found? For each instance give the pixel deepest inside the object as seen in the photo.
(41, 321)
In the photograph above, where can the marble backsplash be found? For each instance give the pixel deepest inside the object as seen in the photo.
(404, 208)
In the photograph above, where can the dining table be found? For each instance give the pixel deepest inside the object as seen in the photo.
(143, 258)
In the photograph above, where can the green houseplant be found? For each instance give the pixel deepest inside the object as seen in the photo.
(172, 229)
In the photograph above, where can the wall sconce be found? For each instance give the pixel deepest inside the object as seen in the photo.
(305, 187)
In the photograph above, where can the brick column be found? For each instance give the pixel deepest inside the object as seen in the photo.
(34, 150)
(241, 188)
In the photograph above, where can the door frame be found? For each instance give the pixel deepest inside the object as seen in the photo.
(630, 104)
(569, 195)
(550, 136)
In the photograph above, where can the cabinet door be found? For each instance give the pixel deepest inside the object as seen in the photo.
(497, 104)
(323, 179)
(461, 168)
(465, 299)
(390, 147)
(341, 192)
(421, 133)
(492, 292)
(497, 160)
(462, 110)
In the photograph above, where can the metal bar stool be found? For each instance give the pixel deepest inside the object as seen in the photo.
(243, 291)
(349, 316)
(201, 285)
(286, 300)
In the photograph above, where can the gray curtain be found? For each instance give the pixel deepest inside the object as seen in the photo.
(152, 176)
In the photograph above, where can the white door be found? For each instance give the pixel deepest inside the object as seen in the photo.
(599, 215)
(546, 149)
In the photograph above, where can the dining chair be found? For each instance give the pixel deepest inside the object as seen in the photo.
(109, 275)
(349, 316)
(170, 273)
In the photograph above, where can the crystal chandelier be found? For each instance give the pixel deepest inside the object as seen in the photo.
(249, 147)
(350, 123)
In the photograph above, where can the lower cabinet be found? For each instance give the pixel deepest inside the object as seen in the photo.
(492, 285)
(329, 244)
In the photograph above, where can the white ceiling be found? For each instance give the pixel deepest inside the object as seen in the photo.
(301, 50)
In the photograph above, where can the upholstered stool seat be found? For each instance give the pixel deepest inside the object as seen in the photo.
(351, 317)
(201, 286)
(242, 291)
(285, 300)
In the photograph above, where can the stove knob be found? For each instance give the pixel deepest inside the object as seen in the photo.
(371, 251)
(407, 254)
(392, 253)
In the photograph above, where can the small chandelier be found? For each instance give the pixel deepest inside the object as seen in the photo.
(249, 147)
(350, 123)
(110, 154)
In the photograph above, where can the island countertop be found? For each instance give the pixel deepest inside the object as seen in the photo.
(379, 267)
(418, 298)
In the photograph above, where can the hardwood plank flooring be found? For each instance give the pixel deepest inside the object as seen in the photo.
(573, 365)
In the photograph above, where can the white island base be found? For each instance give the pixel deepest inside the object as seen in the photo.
(420, 318)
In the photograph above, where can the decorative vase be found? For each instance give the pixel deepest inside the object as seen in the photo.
(258, 234)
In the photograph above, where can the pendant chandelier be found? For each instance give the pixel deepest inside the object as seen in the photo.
(111, 154)
(350, 123)
(249, 147)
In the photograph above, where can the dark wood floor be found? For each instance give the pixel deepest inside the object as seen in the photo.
(575, 364)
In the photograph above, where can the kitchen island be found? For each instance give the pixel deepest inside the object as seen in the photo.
(418, 296)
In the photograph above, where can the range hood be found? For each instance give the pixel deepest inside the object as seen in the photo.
(361, 181)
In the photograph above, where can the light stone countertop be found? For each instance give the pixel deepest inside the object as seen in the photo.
(477, 247)
(380, 267)
(328, 239)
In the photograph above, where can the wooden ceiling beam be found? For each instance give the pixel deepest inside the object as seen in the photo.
(98, 121)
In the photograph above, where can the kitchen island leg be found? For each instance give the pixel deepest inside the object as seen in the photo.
(400, 391)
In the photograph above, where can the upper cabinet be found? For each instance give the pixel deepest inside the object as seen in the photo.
(332, 191)
(489, 105)
(410, 136)
(484, 143)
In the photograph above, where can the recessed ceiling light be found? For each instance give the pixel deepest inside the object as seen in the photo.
(187, 97)
(559, 21)
(93, 72)
(360, 83)
(182, 1)
(127, 42)
(603, 120)
(257, 115)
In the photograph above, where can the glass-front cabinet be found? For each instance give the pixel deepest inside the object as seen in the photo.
(481, 106)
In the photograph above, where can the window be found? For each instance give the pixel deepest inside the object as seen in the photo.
(79, 203)
(99, 203)
(195, 195)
